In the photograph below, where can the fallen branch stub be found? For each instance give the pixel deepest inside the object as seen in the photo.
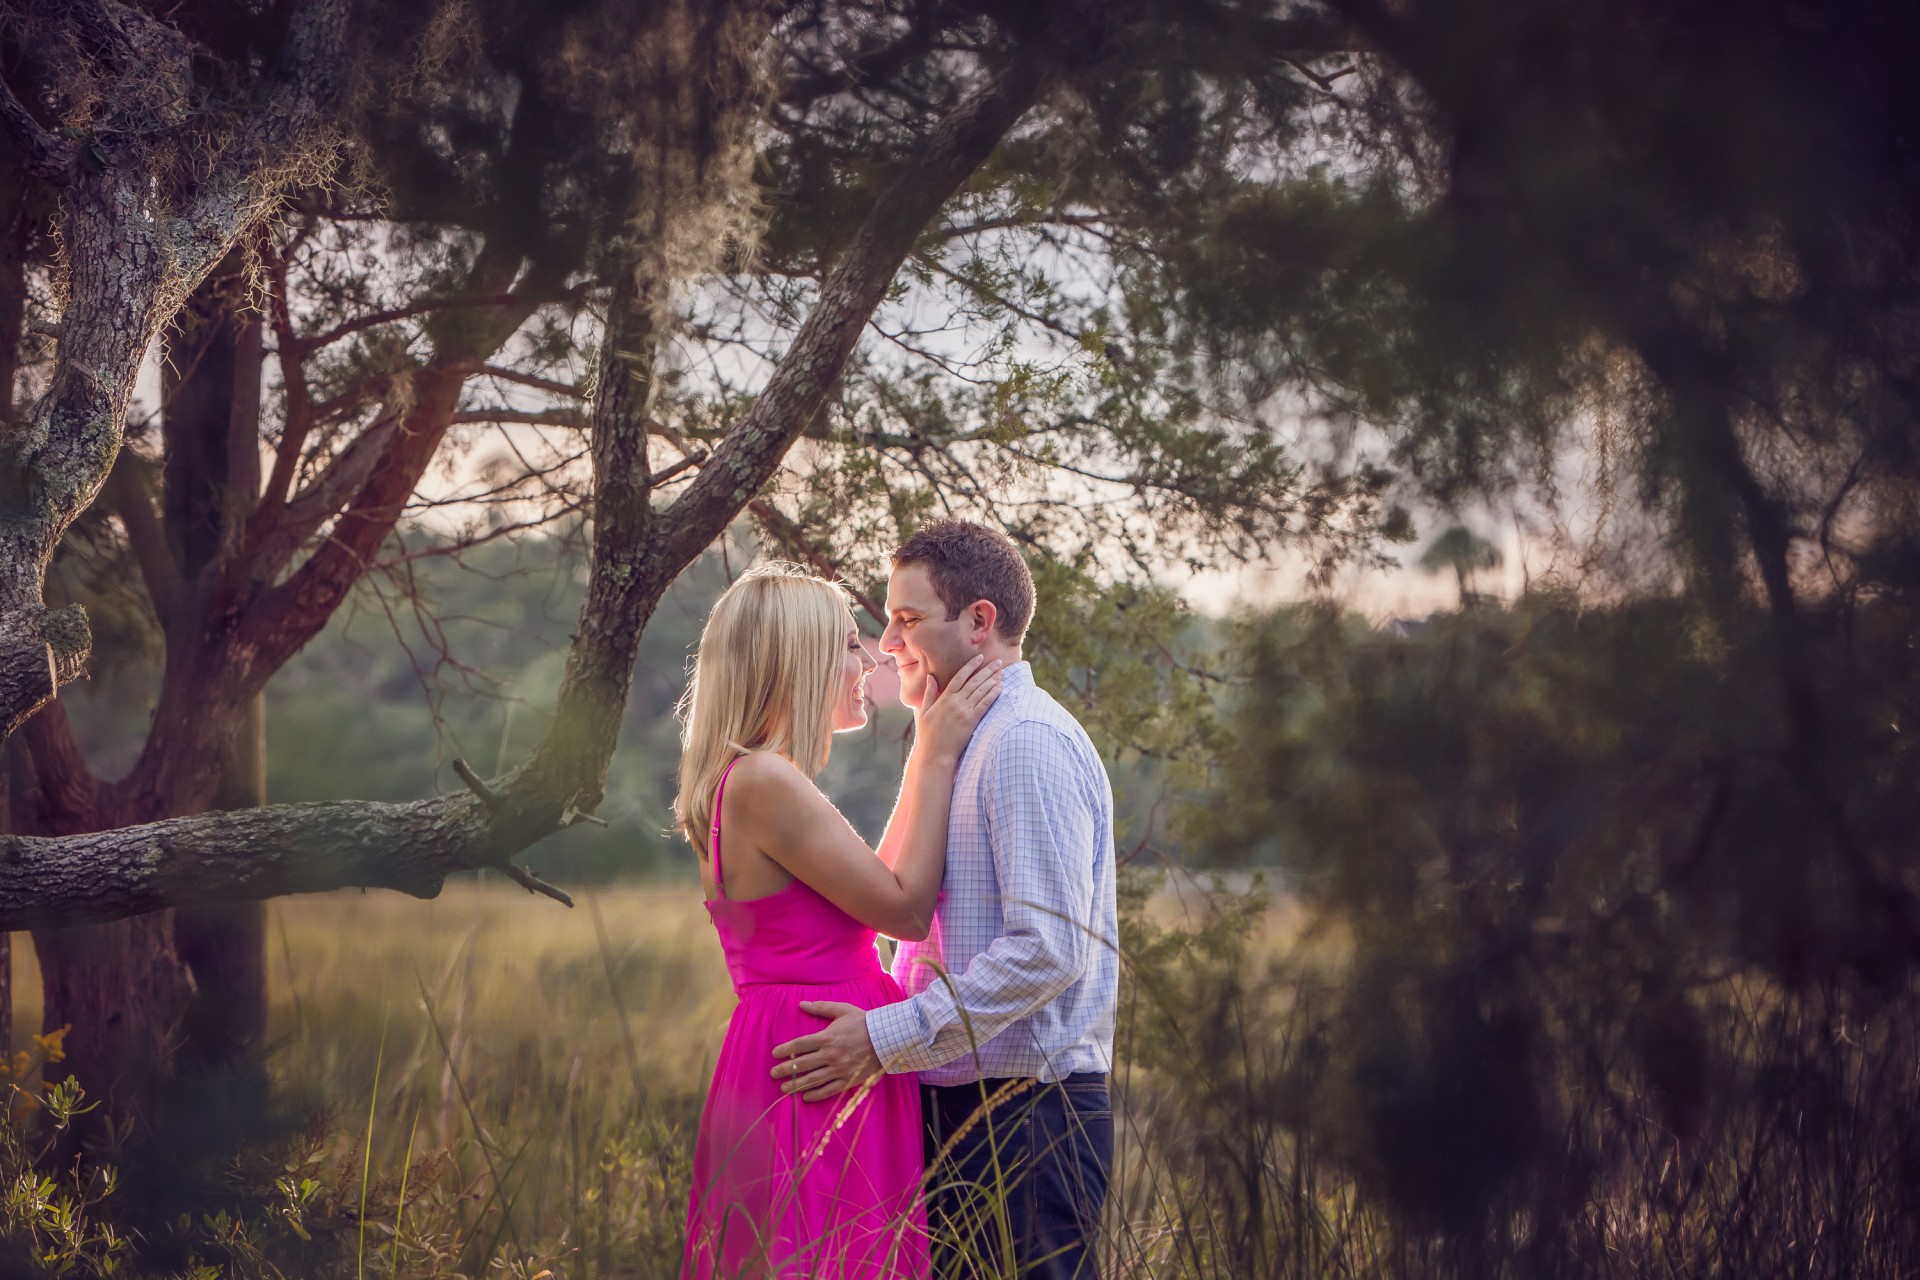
(693, 459)
(48, 649)
(488, 796)
(530, 880)
(496, 803)
(26, 670)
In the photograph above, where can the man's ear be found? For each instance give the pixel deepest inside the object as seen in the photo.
(981, 615)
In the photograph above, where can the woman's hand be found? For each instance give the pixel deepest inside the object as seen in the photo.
(946, 724)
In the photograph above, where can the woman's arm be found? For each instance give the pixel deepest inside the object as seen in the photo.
(785, 816)
(894, 839)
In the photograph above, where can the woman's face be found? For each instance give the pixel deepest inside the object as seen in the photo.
(850, 696)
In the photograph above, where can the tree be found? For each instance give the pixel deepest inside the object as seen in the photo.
(1628, 870)
(1462, 551)
(883, 116)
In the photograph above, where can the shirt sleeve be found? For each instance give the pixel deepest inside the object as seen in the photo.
(1041, 829)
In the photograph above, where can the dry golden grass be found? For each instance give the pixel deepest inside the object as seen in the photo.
(558, 1057)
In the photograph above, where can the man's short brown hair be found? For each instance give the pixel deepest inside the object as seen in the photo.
(968, 562)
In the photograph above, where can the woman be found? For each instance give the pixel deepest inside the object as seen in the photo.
(781, 1186)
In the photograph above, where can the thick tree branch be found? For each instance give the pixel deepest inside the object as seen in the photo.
(131, 262)
(42, 154)
(240, 855)
(323, 497)
(43, 650)
(65, 795)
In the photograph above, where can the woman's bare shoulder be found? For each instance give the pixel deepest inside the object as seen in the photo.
(763, 778)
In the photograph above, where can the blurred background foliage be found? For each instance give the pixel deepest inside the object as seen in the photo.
(456, 651)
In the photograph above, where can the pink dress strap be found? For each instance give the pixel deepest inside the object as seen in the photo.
(714, 843)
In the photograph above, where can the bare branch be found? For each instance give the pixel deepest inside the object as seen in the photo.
(746, 459)
(532, 883)
(571, 418)
(374, 319)
(531, 380)
(690, 461)
(791, 536)
(129, 491)
(487, 794)
(299, 396)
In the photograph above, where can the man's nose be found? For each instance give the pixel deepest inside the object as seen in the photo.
(890, 639)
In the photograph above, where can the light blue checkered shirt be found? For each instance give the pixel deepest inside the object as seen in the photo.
(1025, 929)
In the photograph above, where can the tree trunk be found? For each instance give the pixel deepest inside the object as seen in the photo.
(120, 987)
(15, 228)
(6, 939)
(198, 978)
(6, 993)
(225, 945)
(211, 426)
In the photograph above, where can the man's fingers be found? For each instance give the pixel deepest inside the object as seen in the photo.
(979, 684)
(827, 1009)
(794, 1048)
(787, 1069)
(811, 1080)
(826, 1091)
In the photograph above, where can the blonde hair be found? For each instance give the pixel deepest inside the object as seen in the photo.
(763, 680)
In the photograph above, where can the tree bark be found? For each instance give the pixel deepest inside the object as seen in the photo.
(225, 946)
(128, 981)
(6, 939)
(15, 230)
(131, 261)
(211, 425)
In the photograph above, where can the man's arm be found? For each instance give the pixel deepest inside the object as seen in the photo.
(1041, 829)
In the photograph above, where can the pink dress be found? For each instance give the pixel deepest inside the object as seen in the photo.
(783, 1187)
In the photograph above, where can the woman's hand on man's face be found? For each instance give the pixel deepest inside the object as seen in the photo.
(947, 717)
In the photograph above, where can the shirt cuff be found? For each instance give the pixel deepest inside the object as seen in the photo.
(896, 1031)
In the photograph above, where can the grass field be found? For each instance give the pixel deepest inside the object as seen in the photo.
(556, 1059)
(490, 1085)
(558, 1056)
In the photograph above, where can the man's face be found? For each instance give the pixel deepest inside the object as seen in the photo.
(919, 636)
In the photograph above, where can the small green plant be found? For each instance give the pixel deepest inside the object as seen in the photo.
(51, 1219)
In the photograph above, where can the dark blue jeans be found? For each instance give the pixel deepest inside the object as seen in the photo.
(1017, 1187)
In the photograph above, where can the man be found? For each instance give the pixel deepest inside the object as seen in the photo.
(1010, 1014)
